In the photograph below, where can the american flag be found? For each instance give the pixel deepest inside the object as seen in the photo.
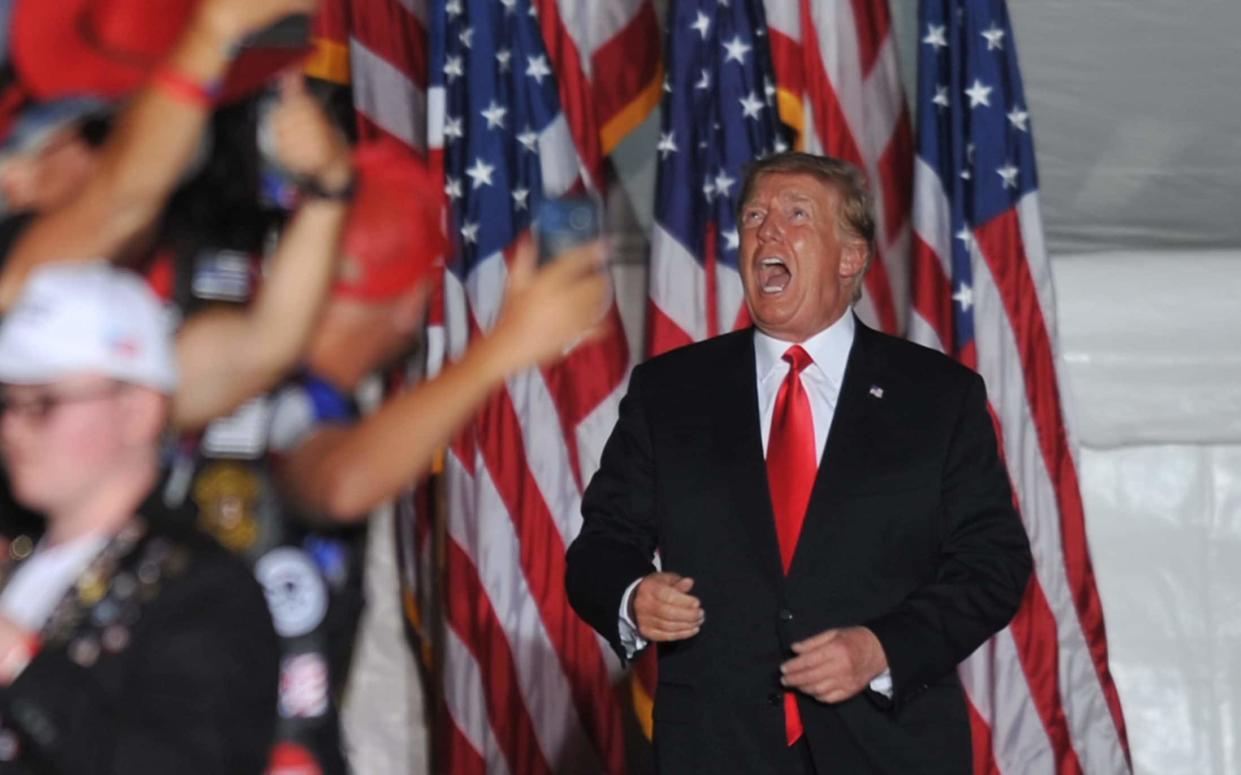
(827, 70)
(516, 101)
(719, 113)
(525, 101)
(379, 49)
(1043, 700)
(839, 86)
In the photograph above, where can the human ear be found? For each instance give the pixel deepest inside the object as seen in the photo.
(852, 258)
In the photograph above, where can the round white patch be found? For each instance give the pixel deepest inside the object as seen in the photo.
(295, 591)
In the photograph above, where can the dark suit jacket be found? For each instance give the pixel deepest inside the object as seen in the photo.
(910, 531)
(193, 692)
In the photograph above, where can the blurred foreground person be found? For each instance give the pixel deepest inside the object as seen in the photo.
(224, 355)
(228, 355)
(126, 646)
(289, 480)
(92, 199)
(84, 189)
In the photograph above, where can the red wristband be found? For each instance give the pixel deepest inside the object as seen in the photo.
(185, 89)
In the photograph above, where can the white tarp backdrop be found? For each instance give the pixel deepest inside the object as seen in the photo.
(1151, 361)
(1137, 120)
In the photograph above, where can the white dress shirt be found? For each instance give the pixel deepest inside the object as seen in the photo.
(829, 349)
(39, 583)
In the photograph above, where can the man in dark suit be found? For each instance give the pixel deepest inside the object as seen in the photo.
(835, 526)
(125, 646)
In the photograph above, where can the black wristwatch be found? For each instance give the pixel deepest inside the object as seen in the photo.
(313, 189)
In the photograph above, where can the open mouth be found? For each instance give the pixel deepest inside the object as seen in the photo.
(773, 275)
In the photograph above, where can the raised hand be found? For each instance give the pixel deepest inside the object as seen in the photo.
(549, 309)
(307, 143)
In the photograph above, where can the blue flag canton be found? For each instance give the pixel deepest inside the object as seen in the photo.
(719, 114)
(973, 127)
(500, 94)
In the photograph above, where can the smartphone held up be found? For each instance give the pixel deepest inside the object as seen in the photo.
(561, 226)
(565, 223)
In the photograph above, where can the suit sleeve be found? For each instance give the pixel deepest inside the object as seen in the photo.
(619, 533)
(983, 567)
(201, 700)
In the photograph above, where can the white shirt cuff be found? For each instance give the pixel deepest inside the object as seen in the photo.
(628, 628)
(882, 683)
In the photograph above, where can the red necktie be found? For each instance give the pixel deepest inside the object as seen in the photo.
(791, 468)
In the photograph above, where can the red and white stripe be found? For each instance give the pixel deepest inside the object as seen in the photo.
(1043, 698)
(529, 687)
(387, 42)
(838, 83)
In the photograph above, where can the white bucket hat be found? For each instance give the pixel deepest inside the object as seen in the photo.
(87, 319)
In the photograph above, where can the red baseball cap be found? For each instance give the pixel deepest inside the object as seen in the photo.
(109, 47)
(395, 233)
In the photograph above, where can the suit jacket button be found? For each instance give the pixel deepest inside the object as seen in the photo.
(775, 699)
(786, 615)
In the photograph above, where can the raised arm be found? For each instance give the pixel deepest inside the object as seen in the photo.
(343, 473)
(153, 140)
(226, 356)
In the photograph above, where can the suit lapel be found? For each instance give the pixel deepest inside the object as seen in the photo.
(740, 442)
(846, 437)
(741, 446)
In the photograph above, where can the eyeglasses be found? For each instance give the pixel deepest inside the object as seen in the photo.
(39, 407)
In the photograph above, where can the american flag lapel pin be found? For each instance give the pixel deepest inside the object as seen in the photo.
(876, 391)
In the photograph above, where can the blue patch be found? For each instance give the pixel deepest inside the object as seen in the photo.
(330, 405)
(332, 557)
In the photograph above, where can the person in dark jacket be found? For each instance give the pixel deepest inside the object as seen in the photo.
(834, 523)
(125, 646)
